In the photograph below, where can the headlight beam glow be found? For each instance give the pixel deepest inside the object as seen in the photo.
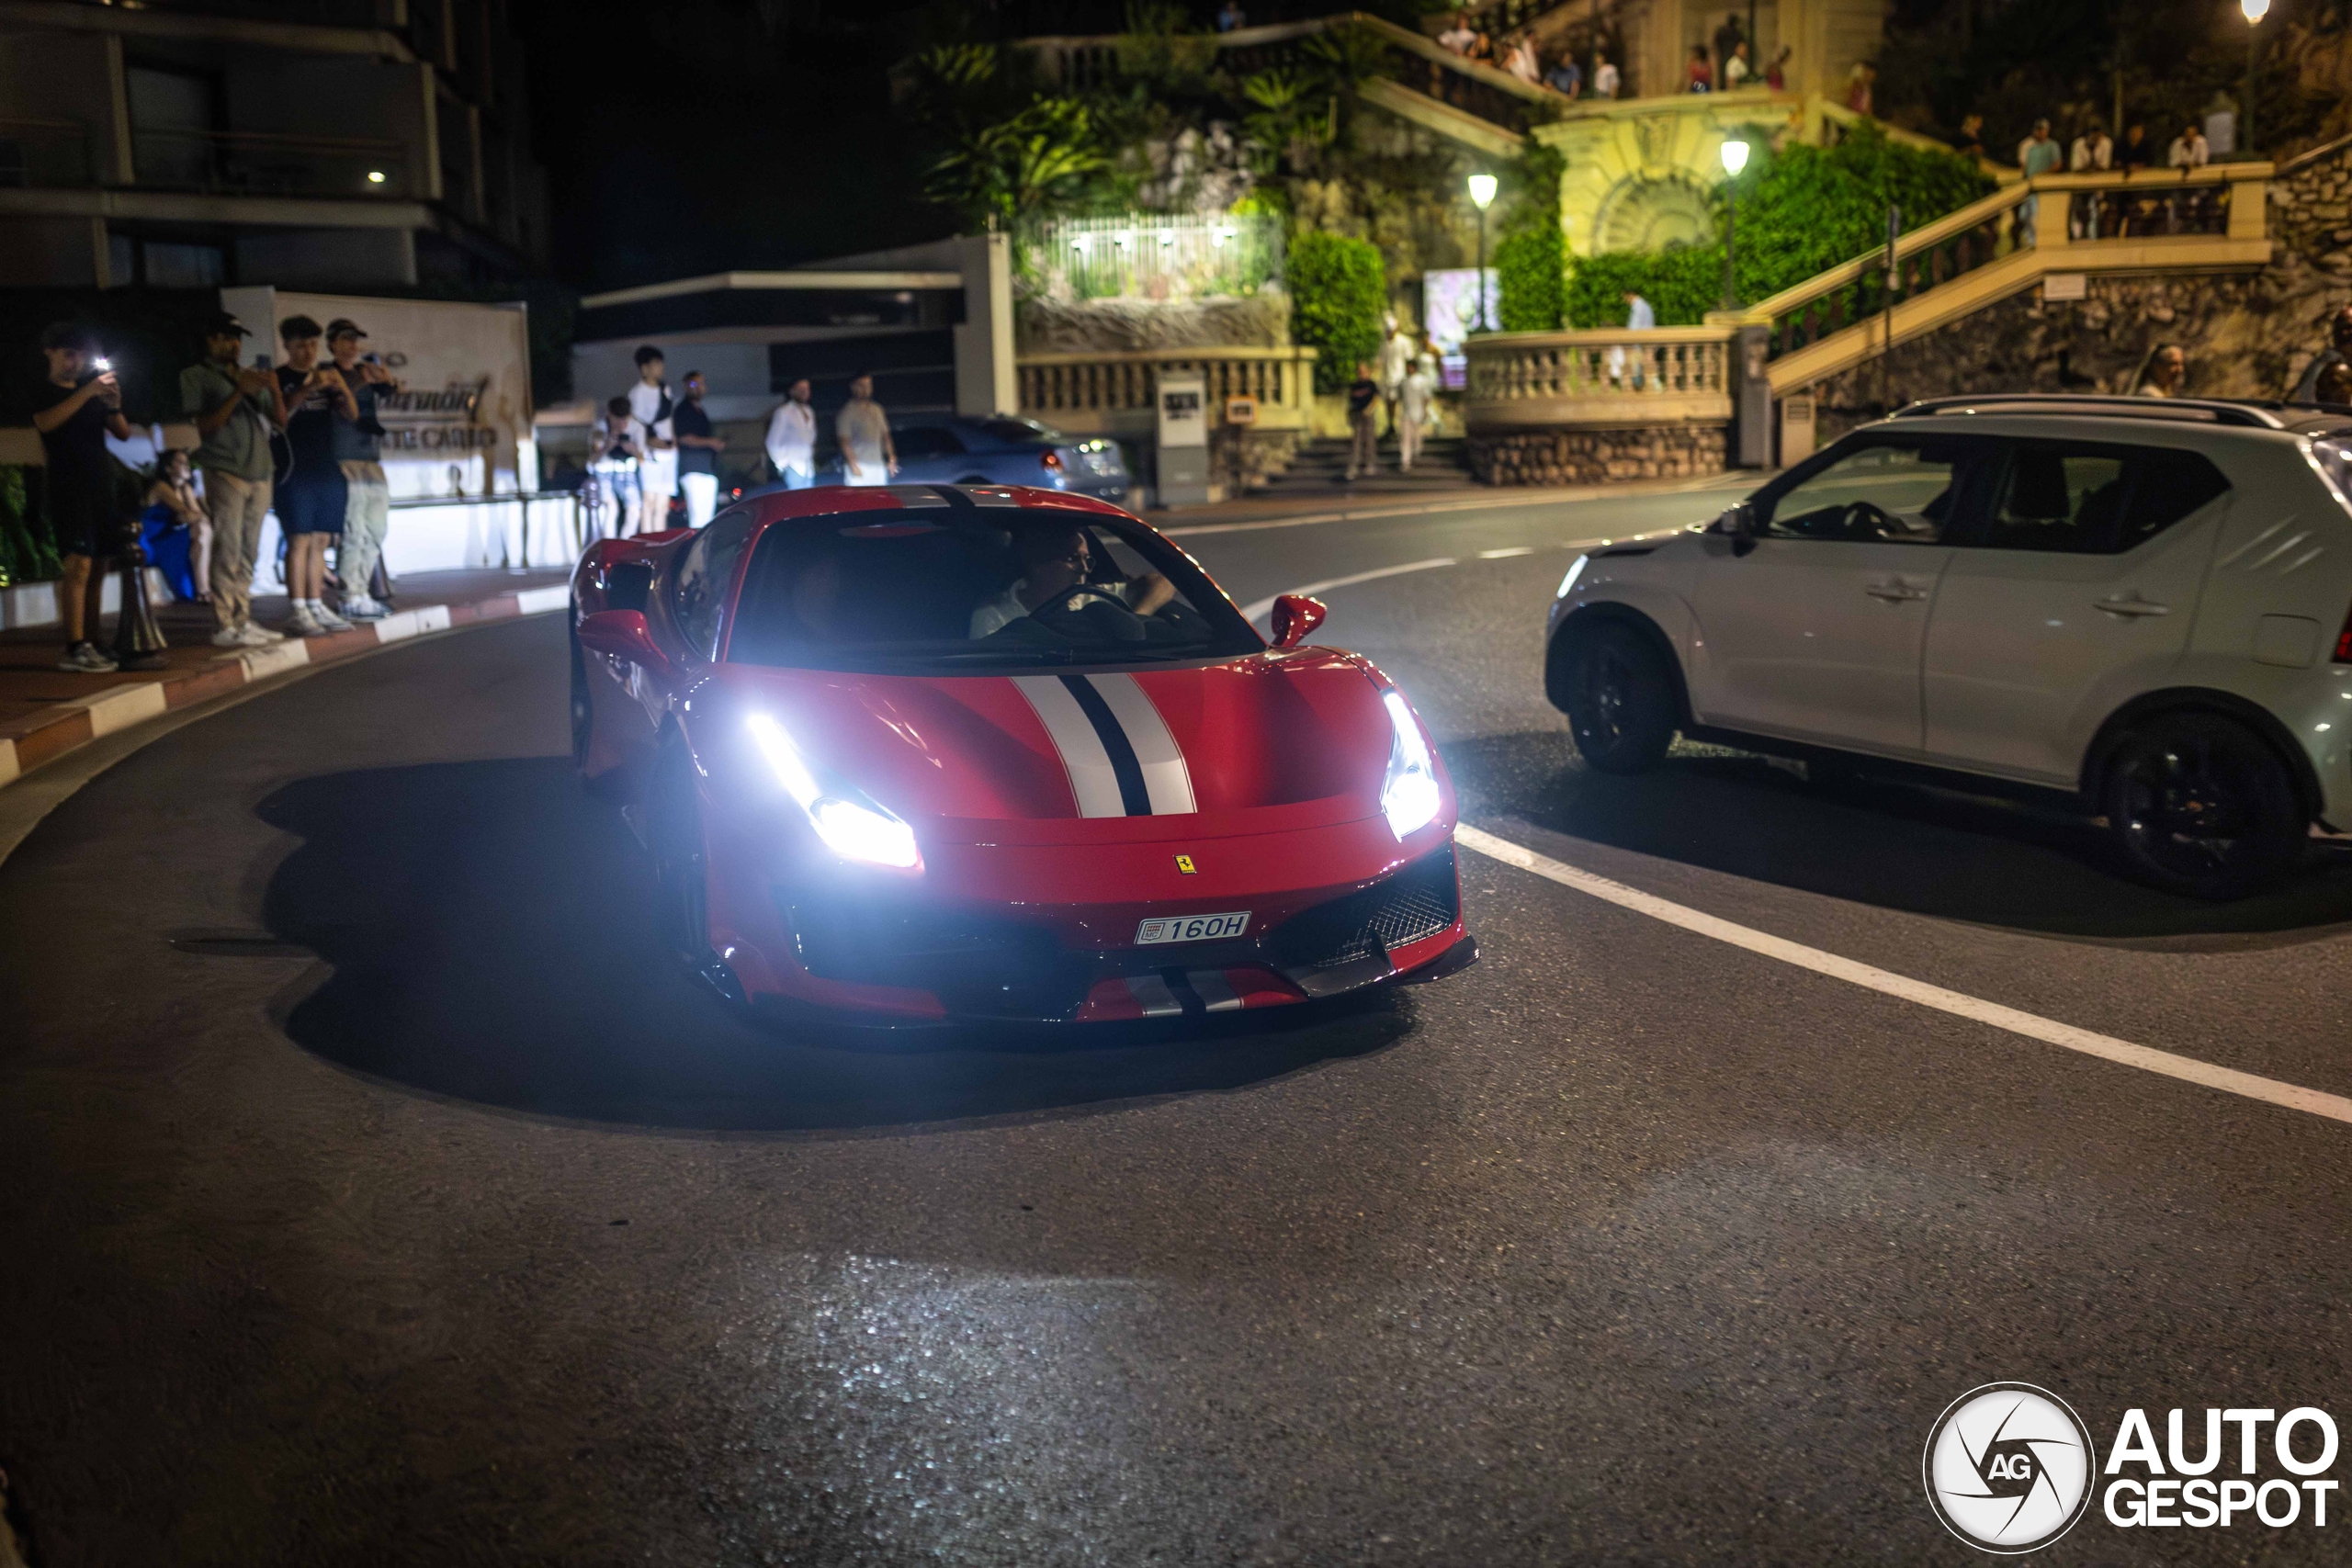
(854, 830)
(1409, 795)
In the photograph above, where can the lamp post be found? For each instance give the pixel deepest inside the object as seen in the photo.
(1482, 196)
(2255, 11)
(1734, 156)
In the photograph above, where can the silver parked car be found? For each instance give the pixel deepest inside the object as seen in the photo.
(2145, 603)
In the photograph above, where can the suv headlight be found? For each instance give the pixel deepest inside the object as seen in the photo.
(1409, 793)
(853, 829)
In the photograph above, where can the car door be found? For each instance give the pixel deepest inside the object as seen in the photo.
(930, 454)
(1816, 632)
(2073, 592)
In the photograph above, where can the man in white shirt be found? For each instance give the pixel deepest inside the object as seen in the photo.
(863, 432)
(1054, 560)
(792, 439)
(1604, 77)
(1420, 392)
(2093, 151)
(650, 404)
(1395, 359)
(2188, 150)
(1459, 37)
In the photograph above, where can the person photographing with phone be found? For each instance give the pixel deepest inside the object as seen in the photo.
(312, 495)
(78, 405)
(358, 450)
(237, 410)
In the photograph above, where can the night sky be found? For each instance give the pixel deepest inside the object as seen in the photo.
(693, 136)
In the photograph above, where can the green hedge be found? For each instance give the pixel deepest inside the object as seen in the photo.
(1339, 292)
(1802, 211)
(1530, 280)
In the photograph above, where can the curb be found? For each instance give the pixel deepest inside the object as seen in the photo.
(76, 723)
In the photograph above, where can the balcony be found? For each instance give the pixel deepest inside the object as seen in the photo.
(45, 153)
(248, 163)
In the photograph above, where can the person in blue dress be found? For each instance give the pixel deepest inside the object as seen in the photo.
(174, 529)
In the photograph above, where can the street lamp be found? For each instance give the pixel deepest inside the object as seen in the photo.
(1482, 196)
(1735, 159)
(2255, 11)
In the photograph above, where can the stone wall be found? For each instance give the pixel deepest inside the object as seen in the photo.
(1597, 457)
(1134, 326)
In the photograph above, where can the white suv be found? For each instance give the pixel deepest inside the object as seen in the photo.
(2140, 603)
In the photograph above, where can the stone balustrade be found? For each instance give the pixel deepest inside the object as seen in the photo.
(1589, 407)
(1116, 393)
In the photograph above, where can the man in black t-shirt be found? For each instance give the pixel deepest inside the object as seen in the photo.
(698, 451)
(311, 495)
(79, 404)
(1363, 392)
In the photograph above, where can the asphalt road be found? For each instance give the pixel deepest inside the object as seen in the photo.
(372, 1196)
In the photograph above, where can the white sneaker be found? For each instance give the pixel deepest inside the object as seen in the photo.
(300, 624)
(230, 637)
(360, 607)
(330, 620)
(87, 658)
(257, 634)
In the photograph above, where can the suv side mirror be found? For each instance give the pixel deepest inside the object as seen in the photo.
(1295, 615)
(1739, 524)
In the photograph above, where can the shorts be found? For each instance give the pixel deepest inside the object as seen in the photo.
(85, 523)
(312, 503)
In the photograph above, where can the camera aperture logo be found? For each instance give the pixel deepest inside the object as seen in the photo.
(2008, 1468)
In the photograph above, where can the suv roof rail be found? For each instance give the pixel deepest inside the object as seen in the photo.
(2244, 412)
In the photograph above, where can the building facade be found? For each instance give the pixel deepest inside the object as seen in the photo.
(344, 143)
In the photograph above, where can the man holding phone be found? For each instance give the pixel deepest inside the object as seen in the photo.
(78, 405)
(236, 408)
(358, 450)
(312, 497)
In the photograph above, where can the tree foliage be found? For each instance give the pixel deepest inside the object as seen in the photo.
(1802, 212)
(1530, 259)
(1028, 163)
(1338, 290)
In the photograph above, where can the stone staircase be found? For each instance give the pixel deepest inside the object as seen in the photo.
(1320, 468)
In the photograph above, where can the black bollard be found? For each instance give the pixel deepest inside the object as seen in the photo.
(138, 642)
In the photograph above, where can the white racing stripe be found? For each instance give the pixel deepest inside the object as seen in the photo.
(1165, 778)
(1092, 780)
(2293, 1097)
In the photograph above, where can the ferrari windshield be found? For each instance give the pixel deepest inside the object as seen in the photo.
(917, 590)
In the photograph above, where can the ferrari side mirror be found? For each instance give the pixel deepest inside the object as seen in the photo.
(1295, 615)
(623, 634)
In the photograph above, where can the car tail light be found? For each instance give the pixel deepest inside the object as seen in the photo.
(2344, 640)
(1052, 461)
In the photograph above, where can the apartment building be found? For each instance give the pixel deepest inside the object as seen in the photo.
(305, 143)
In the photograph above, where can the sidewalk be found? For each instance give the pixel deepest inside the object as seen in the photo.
(45, 713)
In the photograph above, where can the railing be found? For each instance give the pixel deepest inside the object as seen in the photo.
(2079, 214)
(44, 152)
(251, 163)
(1406, 56)
(1091, 393)
(1609, 375)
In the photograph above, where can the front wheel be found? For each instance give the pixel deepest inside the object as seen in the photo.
(674, 832)
(1620, 699)
(2200, 804)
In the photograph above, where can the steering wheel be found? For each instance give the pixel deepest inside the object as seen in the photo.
(1864, 521)
(1087, 613)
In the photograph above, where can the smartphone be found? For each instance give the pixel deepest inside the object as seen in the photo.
(371, 359)
(261, 361)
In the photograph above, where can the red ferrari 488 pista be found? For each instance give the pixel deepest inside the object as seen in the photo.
(926, 752)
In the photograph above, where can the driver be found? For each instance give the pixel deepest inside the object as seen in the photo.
(1054, 560)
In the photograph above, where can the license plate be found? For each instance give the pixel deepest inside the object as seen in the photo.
(1191, 928)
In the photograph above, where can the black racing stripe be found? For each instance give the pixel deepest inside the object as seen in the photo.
(1179, 986)
(1124, 765)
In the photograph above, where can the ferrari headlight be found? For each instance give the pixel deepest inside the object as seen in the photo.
(1409, 793)
(854, 829)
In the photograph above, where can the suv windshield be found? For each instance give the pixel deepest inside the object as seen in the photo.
(916, 591)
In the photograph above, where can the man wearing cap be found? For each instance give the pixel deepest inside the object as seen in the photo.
(359, 447)
(236, 409)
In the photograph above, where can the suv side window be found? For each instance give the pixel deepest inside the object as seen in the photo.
(1888, 491)
(704, 574)
(2080, 499)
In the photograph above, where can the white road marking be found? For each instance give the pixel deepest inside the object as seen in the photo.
(1506, 555)
(1484, 503)
(1258, 610)
(2293, 1097)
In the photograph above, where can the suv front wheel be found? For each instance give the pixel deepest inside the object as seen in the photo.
(1620, 699)
(2200, 805)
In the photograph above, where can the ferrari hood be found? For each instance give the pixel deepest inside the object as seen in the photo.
(1257, 744)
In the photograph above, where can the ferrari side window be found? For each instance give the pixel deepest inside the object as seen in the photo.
(705, 573)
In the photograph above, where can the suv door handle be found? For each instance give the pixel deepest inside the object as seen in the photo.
(1895, 592)
(2133, 607)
